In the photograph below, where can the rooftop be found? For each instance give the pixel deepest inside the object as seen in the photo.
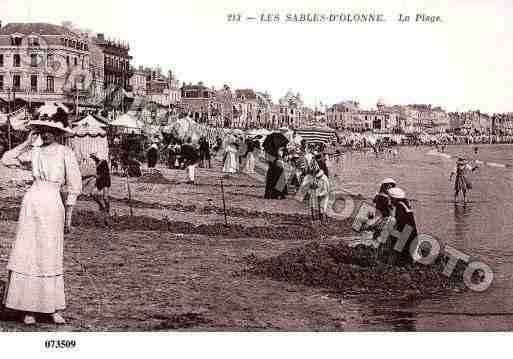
(246, 93)
(36, 28)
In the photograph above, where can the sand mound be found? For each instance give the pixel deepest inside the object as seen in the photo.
(355, 270)
(155, 177)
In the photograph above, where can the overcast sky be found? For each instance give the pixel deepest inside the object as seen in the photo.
(464, 63)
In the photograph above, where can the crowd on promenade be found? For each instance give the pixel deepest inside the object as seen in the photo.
(355, 140)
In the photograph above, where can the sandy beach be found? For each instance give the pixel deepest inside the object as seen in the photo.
(171, 263)
(174, 265)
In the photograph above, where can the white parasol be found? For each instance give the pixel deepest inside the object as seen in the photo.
(50, 109)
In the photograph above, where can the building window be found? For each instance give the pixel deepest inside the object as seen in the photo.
(16, 41)
(16, 60)
(1, 60)
(67, 60)
(33, 60)
(75, 61)
(1, 82)
(49, 60)
(16, 82)
(49, 84)
(33, 83)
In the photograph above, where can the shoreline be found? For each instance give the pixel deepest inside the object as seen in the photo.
(175, 266)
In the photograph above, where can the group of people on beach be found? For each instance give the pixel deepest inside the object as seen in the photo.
(35, 282)
(393, 214)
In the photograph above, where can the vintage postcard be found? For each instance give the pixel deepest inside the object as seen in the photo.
(271, 166)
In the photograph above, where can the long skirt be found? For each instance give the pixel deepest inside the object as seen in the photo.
(36, 261)
(231, 164)
(191, 169)
(249, 165)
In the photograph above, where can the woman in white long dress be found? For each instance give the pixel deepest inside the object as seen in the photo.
(249, 164)
(35, 281)
(231, 164)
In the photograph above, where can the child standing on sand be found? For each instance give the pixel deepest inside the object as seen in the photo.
(320, 190)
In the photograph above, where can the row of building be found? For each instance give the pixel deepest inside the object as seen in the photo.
(41, 62)
(244, 108)
(416, 118)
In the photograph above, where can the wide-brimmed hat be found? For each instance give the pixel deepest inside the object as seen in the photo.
(58, 120)
(388, 180)
(461, 161)
(396, 193)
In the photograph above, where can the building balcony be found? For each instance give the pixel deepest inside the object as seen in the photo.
(73, 92)
(16, 90)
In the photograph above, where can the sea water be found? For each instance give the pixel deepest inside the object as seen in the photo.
(482, 229)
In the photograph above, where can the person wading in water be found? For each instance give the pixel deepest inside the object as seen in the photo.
(462, 183)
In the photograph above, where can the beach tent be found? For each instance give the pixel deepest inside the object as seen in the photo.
(261, 132)
(90, 121)
(18, 119)
(185, 128)
(130, 123)
(88, 137)
(324, 135)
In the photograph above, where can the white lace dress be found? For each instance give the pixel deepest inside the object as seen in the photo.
(35, 264)
(231, 163)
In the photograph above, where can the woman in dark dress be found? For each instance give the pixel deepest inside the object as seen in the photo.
(275, 182)
(204, 152)
(152, 155)
(404, 217)
(382, 194)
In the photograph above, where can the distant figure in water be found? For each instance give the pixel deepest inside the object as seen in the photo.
(462, 183)
(475, 150)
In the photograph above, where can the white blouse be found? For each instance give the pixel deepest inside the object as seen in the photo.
(53, 163)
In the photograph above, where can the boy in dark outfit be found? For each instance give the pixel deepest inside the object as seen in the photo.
(102, 186)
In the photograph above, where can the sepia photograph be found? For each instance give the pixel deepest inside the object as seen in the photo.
(248, 167)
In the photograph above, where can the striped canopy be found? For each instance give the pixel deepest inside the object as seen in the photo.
(317, 135)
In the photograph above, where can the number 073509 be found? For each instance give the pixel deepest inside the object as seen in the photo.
(58, 344)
